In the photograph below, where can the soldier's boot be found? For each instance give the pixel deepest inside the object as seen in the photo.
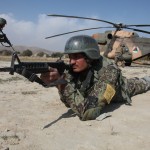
(147, 80)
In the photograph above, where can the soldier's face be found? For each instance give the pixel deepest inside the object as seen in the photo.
(78, 62)
(2, 26)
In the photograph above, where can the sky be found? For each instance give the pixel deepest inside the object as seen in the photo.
(28, 23)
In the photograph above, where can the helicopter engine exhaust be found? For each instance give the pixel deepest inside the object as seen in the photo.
(109, 36)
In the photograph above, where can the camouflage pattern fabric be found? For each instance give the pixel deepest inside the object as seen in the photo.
(137, 86)
(108, 85)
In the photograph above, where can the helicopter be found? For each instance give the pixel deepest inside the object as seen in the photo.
(124, 47)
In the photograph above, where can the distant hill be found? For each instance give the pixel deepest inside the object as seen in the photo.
(23, 48)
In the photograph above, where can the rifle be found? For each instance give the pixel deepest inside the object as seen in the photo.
(5, 40)
(30, 70)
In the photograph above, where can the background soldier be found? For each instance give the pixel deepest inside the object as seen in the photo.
(2, 25)
(93, 81)
(122, 55)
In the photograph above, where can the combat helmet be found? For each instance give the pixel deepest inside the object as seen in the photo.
(83, 44)
(2, 22)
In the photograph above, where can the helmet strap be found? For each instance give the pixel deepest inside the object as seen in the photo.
(89, 61)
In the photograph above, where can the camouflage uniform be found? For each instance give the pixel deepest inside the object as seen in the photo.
(104, 86)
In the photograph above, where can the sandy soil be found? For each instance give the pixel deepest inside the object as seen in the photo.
(33, 118)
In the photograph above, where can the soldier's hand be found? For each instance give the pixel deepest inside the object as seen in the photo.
(50, 76)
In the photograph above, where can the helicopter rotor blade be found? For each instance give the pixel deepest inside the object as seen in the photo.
(76, 31)
(118, 26)
(67, 16)
(138, 25)
(114, 24)
(138, 30)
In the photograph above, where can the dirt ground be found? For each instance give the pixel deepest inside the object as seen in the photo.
(33, 118)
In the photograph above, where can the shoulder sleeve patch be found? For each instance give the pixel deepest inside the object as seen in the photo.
(109, 93)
